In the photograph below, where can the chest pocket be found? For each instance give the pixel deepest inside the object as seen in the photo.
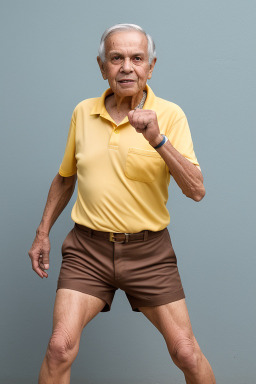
(142, 165)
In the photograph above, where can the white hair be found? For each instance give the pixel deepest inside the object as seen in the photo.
(125, 27)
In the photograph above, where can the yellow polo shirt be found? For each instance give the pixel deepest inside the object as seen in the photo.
(122, 181)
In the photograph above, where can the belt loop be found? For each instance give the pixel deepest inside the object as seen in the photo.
(145, 235)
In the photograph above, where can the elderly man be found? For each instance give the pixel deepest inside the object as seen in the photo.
(122, 147)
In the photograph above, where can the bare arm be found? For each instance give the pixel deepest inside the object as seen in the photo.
(59, 195)
(188, 177)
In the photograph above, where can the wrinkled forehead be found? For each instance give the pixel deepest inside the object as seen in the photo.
(126, 41)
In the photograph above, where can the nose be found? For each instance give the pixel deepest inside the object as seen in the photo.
(127, 65)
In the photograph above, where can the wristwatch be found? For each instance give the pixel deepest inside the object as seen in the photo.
(165, 138)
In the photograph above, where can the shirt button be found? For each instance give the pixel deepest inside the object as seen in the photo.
(116, 131)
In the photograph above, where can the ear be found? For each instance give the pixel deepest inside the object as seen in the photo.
(151, 67)
(102, 68)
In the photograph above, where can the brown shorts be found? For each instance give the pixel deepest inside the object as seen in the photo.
(145, 269)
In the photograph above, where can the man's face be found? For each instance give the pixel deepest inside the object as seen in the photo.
(126, 65)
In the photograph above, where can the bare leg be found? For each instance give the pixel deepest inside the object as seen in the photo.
(172, 321)
(72, 311)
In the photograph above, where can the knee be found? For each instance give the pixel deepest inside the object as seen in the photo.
(61, 347)
(186, 354)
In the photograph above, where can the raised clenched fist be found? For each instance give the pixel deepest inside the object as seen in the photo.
(145, 122)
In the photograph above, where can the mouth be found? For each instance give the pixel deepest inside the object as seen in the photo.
(125, 81)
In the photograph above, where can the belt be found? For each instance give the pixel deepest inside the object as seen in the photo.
(117, 237)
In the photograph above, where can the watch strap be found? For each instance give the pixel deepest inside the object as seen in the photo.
(165, 138)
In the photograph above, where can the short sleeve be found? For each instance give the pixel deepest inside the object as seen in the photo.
(68, 165)
(180, 137)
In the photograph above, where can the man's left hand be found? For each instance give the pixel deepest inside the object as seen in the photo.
(145, 121)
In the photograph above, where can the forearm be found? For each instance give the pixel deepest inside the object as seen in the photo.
(59, 195)
(188, 177)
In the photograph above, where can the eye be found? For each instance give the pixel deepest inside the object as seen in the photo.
(116, 58)
(137, 58)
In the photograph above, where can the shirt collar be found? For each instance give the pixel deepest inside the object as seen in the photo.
(100, 109)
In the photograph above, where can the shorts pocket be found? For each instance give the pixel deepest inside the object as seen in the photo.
(169, 246)
(142, 165)
(66, 242)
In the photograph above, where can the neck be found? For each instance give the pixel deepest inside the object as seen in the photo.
(127, 102)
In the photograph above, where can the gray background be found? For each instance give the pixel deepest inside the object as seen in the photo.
(206, 64)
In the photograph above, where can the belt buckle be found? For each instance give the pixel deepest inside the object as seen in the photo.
(112, 238)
